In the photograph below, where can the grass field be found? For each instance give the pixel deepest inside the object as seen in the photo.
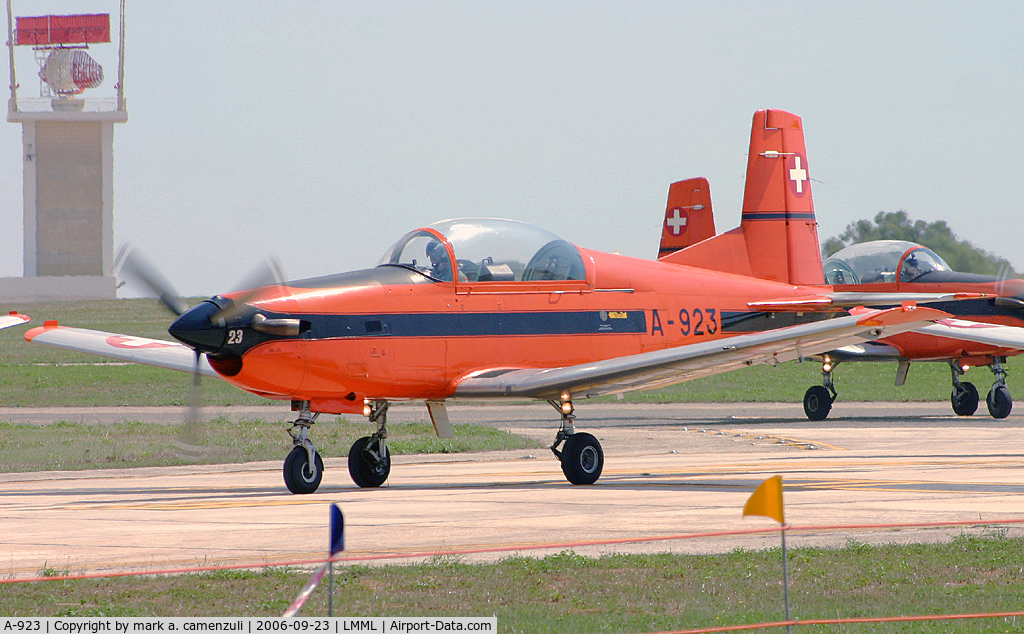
(70, 446)
(615, 593)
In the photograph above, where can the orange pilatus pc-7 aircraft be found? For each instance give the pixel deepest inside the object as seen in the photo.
(525, 314)
(880, 273)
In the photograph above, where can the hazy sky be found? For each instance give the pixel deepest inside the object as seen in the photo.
(320, 132)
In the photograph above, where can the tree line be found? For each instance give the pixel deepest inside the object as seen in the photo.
(937, 236)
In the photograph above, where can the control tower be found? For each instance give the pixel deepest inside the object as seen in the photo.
(67, 159)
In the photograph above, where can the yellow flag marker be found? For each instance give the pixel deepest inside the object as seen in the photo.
(766, 500)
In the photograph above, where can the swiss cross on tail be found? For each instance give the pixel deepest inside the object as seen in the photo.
(796, 172)
(675, 220)
(688, 217)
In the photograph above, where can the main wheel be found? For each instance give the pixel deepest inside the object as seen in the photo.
(582, 459)
(965, 400)
(366, 469)
(299, 475)
(817, 402)
(999, 401)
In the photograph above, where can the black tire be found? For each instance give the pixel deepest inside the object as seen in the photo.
(817, 403)
(366, 471)
(965, 400)
(582, 459)
(298, 476)
(999, 401)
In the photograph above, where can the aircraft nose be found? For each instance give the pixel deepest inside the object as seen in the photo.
(200, 328)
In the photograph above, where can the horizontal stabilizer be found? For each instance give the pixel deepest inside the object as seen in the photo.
(13, 319)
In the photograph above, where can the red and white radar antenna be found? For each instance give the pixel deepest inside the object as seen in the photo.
(60, 42)
(70, 71)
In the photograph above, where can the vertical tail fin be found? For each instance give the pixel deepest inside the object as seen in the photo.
(778, 213)
(778, 235)
(688, 216)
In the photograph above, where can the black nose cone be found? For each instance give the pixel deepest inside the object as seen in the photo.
(200, 328)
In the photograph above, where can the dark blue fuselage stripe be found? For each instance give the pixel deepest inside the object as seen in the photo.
(777, 215)
(737, 321)
(476, 324)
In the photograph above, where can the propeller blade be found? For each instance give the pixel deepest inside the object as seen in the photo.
(191, 441)
(130, 264)
(267, 273)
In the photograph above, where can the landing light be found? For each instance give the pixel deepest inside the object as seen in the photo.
(566, 407)
(367, 410)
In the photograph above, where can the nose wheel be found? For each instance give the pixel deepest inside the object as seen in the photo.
(964, 397)
(303, 468)
(301, 475)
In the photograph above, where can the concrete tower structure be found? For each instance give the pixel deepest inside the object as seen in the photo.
(68, 160)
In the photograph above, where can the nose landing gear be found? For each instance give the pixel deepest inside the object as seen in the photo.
(303, 468)
(964, 398)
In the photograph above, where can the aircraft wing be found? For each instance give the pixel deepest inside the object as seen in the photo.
(989, 334)
(13, 319)
(155, 352)
(684, 363)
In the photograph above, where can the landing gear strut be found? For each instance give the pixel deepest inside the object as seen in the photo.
(819, 398)
(369, 460)
(999, 400)
(303, 468)
(965, 396)
(581, 456)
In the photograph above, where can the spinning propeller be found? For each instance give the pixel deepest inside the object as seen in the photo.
(202, 327)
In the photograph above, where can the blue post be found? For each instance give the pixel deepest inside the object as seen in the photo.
(337, 545)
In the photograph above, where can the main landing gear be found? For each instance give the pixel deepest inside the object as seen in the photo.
(965, 397)
(369, 460)
(819, 398)
(581, 456)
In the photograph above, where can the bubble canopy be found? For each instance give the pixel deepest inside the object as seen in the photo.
(487, 250)
(882, 261)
